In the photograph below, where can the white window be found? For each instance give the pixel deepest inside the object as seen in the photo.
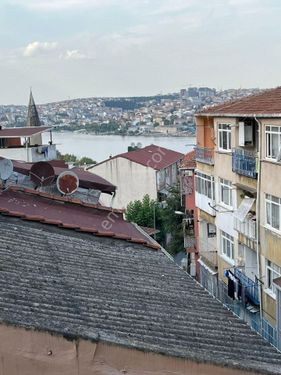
(205, 185)
(227, 245)
(224, 135)
(273, 212)
(225, 192)
(272, 272)
(273, 141)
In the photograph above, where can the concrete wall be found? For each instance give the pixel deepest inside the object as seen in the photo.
(25, 352)
(133, 181)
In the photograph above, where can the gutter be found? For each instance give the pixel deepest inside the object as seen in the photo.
(258, 218)
(254, 115)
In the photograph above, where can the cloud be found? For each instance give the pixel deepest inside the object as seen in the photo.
(73, 55)
(51, 5)
(38, 48)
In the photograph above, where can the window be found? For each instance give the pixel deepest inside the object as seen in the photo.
(224, 135)
(225, 191)
(227, 245)
(205, 185)
(272, 272)
(273, 141)
(273, 211)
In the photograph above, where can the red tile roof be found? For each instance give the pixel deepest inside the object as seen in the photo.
(188, 161)
(33, 206)
(152, 156)
(264, 104)
(22, 132)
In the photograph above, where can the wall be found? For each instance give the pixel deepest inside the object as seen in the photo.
(30, 155)
(133, 181)
(205, 132)
(25, 352)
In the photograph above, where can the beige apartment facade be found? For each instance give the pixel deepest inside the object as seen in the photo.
(243, 207)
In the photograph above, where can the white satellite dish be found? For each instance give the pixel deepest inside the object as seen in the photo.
(6, 169)
(67, 182)
(139, 145)
(133, 144)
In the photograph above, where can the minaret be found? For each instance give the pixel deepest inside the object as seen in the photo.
(32, 114)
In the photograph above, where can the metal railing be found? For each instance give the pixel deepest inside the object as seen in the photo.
(244, 162)
(251, 287)
(204, 155)
(247, 227)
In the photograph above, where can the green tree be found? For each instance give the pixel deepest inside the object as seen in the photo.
(172, 222)
(86, 160)
(67, 157)
(142, 212)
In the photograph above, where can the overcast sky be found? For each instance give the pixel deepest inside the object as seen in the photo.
(80, 48)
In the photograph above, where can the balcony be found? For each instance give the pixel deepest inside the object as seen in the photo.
(247, 228)
(244, 162)
(210, 258)
(251, 287)
(204, 155)
(30, 153)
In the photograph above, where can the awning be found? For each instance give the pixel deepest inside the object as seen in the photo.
(244, 209)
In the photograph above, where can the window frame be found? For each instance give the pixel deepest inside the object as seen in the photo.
(224, 129)
(225, 185)
(269, 133)
(271, 270)
(270, 201)
(201, 187)
(224, 239)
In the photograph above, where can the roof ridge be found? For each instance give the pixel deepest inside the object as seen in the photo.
(67, 199)
(230, 102)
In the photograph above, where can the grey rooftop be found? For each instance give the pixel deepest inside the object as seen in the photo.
(109, 290)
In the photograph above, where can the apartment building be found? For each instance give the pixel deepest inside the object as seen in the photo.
(238, 197)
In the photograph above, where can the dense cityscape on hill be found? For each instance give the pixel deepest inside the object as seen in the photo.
(171, 114)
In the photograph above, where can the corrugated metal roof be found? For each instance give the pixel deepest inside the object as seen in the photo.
(70, 214)
(152, 156)
(87, 179)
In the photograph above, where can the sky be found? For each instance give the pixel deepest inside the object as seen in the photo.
(82, 48)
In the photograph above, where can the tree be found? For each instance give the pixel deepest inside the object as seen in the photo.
(172, 222)
(149, 213)
(86, 160)
(142, 212)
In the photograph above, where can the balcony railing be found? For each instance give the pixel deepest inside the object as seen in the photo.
(204, 155)
(247, 227)
(210, 258)
(251, 287)
(244, 162)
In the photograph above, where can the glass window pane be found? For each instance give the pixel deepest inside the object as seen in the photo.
(275, 216)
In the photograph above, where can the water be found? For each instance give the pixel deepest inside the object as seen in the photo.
(100, 147)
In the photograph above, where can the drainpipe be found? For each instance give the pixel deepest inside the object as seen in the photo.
(258, 217)
(27, 150)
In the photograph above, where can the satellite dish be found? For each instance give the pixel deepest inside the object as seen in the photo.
(133, 144)
(42, 173)
(67, 182)
(139, 145)
(6, 169)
